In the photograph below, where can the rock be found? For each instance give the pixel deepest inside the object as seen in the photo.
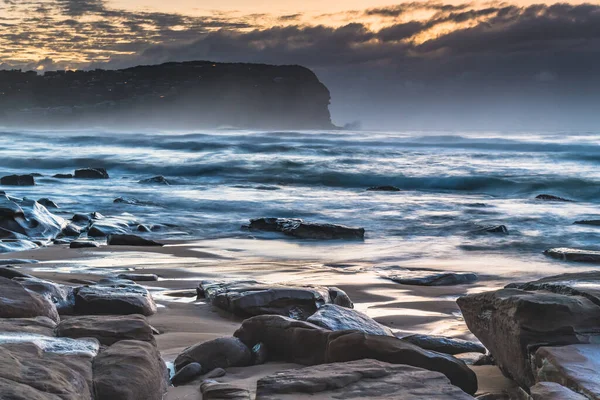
(63, 176)
(578, 255)
(340, 298)
(130, 370)
(139, 277)
(553, 391)
(156, 180)
(10, 245)
(212, 390)
(117, 299)
(60, 295)
(91, 173)
(187, 374)
(218, 353)
(549, 197)
(306, 230)
(107, 329)
(17, 261)
(17, 302)
(48, 203)
(9, 272)
(70, 230)
(383, 189)
(39, 326)
(304, 343)
(143, 228)
(513, 322)
(249, 297)
(215, 373)
(260, 355)
(445, 345)
(336, 318)
(130, 240)
(17, 180)
(83, 244)
(593, 222)
(81, 218)
(501, 229)
(365, 379)
(111, 226)
(30, 373)
(27, 219)
(131, 201)
(431, 278)
(574, 366)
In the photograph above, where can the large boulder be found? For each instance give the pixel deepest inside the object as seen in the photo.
(26, 370)
(60, 295)
(17, 180)
(444, 344)
(513, 322)
(579, 255)
(307, 344)
(130, 370)
(43, 326)
(130, 240)
(336, 318)
(431, 278)
(306, 230)
(249, 297)
(27, 219)
(366, 379)
(118, 298)
(107, 329)
(218, 353)
(574, 366)
(91, 173)
(17, 302)
(553, 391)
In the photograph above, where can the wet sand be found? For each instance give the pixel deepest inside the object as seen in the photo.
(184, 321)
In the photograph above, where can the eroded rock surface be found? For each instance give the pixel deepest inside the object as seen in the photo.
(553, 391)
(306, 230)
(336, 318)
(444, 344)
(118, 298)
(107, 329)
(218, 353)
(579, 255)
(17, 302)
(431, 278)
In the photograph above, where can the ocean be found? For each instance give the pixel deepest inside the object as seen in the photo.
(451, 184)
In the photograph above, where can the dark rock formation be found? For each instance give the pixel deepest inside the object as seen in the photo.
(247, 298)
(83, 244)
(63, 176)
(260, 354)
(60, 295)
(43, 326)
(574, 366)
(593, 222)
(444, 345)
(47, 203)
(186, 374)
(383, 189)
(138, 277)
(104, 226)
(212, 390)
(17, 302)
(431, 278)
(177, 95)
(336, 318)
(10, 272)
(117, 299)
(306, 230)
(130, 240)
(579, 255)
(513, 322)
(91, 173)
(549, 197)
(156, 180)
(305, 343)
(17, 180)
(21, 219)
(553, 391)
(498, 229)
(108, 329)
(218, 353)
(365, 379)
(130, 370)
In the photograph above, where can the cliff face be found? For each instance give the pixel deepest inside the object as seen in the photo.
(173, 95)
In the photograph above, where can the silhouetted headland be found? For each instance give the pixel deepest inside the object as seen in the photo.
(170, 96)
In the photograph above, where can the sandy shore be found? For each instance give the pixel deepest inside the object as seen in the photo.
(184, 321)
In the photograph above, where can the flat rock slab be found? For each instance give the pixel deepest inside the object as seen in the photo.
(17, 302)
(578, 255)
(107, 329)
(306, 230)
(38, 325)
(48, 344)
(249, 298)
(445, 345)
(130, 240)
(115, 299)
(431, 278)
(586, 284)
(336, 318)
(575, 367)
(212, 390)
(363, 379)
(130, 370)
(553, 391)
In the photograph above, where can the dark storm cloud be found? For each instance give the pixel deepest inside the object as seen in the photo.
(80, 7)
(404, 8)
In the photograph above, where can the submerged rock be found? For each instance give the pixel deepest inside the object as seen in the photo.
(83, 244)
(444, 345)
(17, 180)
(111, 226)
(156, 180)
(306, 230)
(499, 229)
(513, 322)
(48, 203)
(63, 176)
(579, 255)
(593, 222)
(249, 297)
(366, 379)
(130, 240)
(549, 197)
(383, 189)
(91, 173)
(336, 318)
(431, 278)
(107, 329)
(130, 370)
(27, 219)
(117, 299)
(223, 352)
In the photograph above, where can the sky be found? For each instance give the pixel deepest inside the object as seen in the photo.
(389, 65)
